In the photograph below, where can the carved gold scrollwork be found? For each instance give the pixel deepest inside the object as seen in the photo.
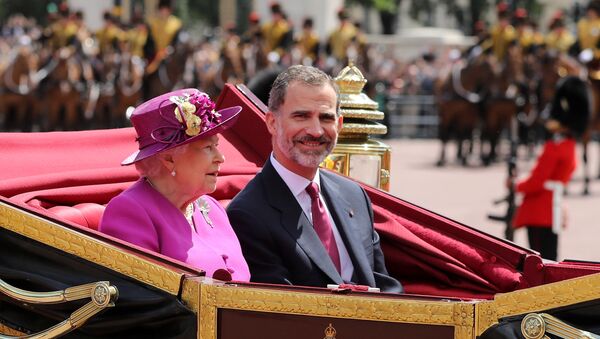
(385, 176)
(101, 293)
(536, 325)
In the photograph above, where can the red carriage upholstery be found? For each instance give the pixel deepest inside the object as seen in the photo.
(84, 214)
(72, 175)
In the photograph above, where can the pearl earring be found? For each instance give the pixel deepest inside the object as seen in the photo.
(173, 173)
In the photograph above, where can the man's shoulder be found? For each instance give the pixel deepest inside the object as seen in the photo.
(251, 194)
(339, 179)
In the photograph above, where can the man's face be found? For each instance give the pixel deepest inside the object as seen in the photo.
(306, 127)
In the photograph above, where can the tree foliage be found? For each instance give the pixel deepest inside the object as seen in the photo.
(31, 8)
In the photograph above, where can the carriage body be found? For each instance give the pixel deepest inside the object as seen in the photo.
(459, 281)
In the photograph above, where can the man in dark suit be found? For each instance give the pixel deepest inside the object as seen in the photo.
(299, 225)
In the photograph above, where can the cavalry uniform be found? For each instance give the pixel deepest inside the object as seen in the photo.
(275, 34)
(341, 38)
(588, 33)
(163, 32)
(502, 37)
(62, 33)
(560, 40)
(109, 37)
(309, 44)
(137, 37)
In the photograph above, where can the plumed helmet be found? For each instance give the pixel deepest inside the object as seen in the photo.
(571, 105)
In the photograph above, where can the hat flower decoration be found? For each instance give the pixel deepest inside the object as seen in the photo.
(194, 112)
(177, 118)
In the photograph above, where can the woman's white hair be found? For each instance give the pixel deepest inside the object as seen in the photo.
(152, 166)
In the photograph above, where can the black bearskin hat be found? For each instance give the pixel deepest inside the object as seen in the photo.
(571, 105)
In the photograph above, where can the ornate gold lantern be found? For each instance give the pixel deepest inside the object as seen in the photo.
(356, 155)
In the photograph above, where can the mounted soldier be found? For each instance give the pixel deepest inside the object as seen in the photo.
(164, 30)
(502, 33)
(559, 38)
(341, 38)
(308, 41)
(62, 32)
(278, 32)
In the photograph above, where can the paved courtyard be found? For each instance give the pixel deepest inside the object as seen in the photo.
(466, 194)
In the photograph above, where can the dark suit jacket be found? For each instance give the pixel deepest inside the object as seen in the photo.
(281, 246)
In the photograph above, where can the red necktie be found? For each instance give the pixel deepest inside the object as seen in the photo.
(322, 225)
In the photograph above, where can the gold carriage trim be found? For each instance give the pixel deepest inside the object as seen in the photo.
(102, 295)
(536, 325)
(217, 296)
(536, 299)
(89, 248)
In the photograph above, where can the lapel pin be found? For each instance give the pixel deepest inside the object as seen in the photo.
(351, 213)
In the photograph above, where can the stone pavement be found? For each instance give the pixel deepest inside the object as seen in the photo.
(466, 194)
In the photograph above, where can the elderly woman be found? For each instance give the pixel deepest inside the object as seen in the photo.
(168, 210)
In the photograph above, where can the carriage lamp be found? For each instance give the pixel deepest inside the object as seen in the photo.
(356, 154)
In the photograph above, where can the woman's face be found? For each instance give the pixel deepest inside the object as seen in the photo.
(198, 166)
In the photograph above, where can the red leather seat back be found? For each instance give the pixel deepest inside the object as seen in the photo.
(85, 214)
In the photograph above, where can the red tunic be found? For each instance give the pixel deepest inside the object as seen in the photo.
(557, 162)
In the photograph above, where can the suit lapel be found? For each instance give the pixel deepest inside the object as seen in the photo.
(343, 215)
(295, 222)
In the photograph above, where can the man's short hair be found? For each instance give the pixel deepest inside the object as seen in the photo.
(306, 75)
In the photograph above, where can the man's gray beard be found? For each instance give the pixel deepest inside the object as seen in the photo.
(306, 159)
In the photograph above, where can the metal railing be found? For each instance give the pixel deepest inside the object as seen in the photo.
(411, 116)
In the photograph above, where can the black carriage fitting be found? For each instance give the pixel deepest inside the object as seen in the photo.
(142, 311)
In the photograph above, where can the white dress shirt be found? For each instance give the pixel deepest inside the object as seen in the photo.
(297, 185)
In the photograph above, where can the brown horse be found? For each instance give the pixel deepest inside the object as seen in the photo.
(17, 85)
(509, 96)
(460, 94)
(101, 91)
(171, 70)
(62, 91)
(229, 68)
(128, 88)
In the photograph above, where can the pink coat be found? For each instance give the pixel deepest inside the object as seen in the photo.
(144, 217)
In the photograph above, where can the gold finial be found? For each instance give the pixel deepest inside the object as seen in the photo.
(356, 106)
(351, 79)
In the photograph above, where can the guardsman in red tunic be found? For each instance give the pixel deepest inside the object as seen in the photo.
(541, 211)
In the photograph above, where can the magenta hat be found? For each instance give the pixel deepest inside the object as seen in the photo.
(160, 125)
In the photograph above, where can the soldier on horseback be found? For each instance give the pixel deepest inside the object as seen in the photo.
(278, 32)
(559, 38)
(502, 33)
(164, 29)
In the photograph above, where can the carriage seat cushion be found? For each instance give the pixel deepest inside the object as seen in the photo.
(85, 214)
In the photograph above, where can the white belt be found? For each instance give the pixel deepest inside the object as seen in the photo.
(558, 189)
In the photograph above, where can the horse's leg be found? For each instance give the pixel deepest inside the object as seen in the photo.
(71, 114)
(443, 135)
